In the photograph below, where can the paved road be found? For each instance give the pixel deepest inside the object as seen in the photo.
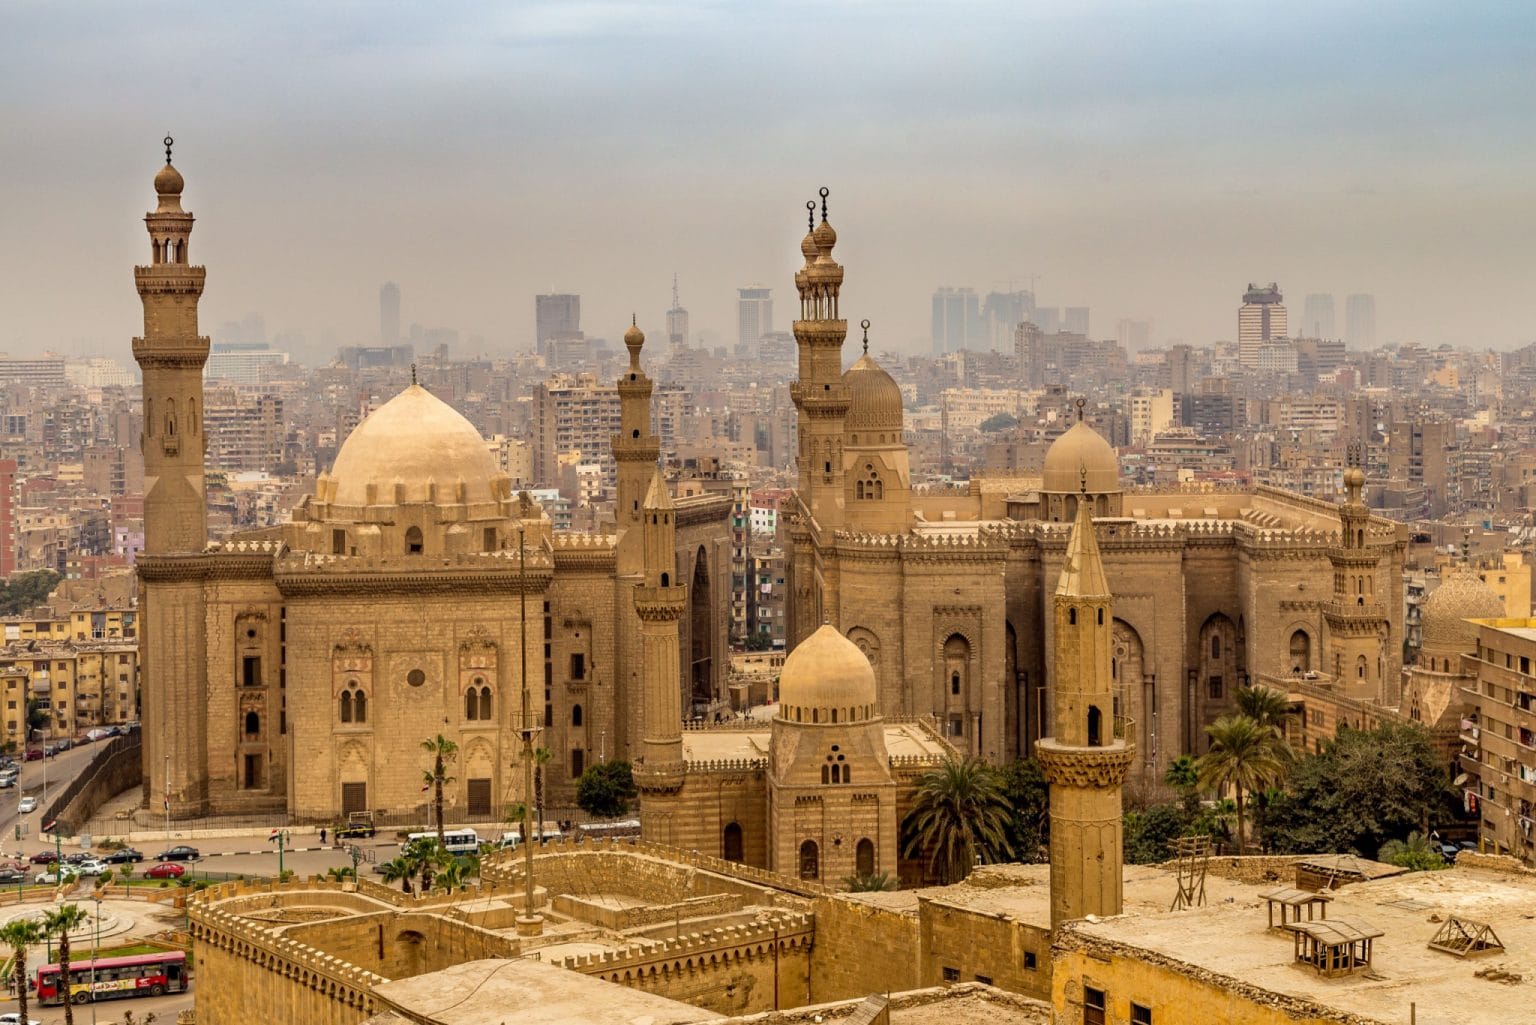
(59, 770)
(109, 1012)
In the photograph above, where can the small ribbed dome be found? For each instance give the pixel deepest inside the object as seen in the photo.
(1460, 596)
(168, 182)
(825, 237)
(414, 439)
(634, 336)
(808, 247)
(825, 673)
(874, 398)
(1081, 450)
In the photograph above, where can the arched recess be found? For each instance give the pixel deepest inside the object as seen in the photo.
(731, 847)
(864, 858)
(810, 860)
(1217, 679)
(701, 635)
(1013, 694)
(479, 777)
(1128, 677)
(956, 687)
(352, 774)
(1300, 652)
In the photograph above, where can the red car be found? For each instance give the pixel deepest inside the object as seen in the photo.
(34, 754)
(165, 870)
(44, 858)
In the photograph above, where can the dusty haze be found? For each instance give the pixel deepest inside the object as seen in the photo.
(1144, 160)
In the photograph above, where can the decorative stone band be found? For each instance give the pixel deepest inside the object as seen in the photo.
(662, 777)
(660, 604)
(1084, 766)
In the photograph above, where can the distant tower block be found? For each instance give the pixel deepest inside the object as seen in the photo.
(1086, 757)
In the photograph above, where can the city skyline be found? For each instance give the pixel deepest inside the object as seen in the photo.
(479, 157)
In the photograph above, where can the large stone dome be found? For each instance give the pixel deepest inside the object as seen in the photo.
(874, 398)
(414, 440)
(827, 679)
(1081, 450)
(1461, 596)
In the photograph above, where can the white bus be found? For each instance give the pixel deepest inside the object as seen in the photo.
(455, 841)
(549, 831)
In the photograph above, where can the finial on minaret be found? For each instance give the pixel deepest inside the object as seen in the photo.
(825, 192)
(865, 325)
(1082, 475)
(1080, 404)
(810, 214)
(413, 374)
(168, 143)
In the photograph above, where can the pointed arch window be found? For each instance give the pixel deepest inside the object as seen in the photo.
(353, 704)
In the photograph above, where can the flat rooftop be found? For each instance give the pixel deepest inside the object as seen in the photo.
(1231, 938)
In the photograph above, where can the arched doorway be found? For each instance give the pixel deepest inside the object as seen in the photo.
(730, 843)
(701, 636)
(810, 860)
(956, 684)
(864, 858)
(1301, 652)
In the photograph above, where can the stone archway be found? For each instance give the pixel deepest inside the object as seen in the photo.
(701, 636)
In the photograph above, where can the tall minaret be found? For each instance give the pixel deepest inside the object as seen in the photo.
(1355, 617)
(171, 355)
(172, 603)
(1085, 758)
(660, 601)
(635, 450)
(819, 393)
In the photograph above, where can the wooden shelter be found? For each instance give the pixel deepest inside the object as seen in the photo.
(1464, 937)
(1295, 906)
(1333, 947)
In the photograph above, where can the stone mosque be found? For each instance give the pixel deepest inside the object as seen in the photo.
(297, 669)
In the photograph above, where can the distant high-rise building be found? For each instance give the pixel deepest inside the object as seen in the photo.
(1133, 335)
(1048, 319)
(389, 314)
(557, 318)
(1181, 377)
(677, 321)
(1317, 317)
(754, 315)
(1360, 321)
(1261, 319)
(1002, 313)
(956, 319)
(1076, 320)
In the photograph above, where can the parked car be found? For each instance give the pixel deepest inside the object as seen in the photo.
(63, 744)
(15, 1019)
(44, 858)
(28, 804)
(79, 857)
(7, 782)
(99, 733)
(355, 831)
(92, 867)
(165, 870)
(122, 856)
(181, 852)
(34, 754)
(10, 876)
(55, 875)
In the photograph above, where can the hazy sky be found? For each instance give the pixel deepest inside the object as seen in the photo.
(1143, 159)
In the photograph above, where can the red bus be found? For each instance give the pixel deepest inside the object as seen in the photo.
(140, 975)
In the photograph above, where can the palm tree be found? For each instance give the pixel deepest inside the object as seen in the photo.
(426, 856)
(960, 814)
(1266, 706)
(873, 883)
(19, 934)
(1244, 755)
(398, 870)
(60, 922)
(455, 875)
(1184, 776)
(339, 873)
(442, 751)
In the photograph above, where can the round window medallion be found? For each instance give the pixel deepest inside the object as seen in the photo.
(415, 677)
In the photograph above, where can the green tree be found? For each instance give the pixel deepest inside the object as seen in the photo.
(24, 591)
(426, 856)
(1183, 776)
(457, 872)
(960, 814)
(605, 790)
(1149, 834)
(60, 922)
(398, 870)
(1266, 706)
(19, 934)
(1028, 794)
(339, 873)
(1415, 854)
(999, 422)
(443, 752)
(1364, 788)
(1246, 756)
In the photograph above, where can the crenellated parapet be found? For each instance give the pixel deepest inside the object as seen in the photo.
(713, 949)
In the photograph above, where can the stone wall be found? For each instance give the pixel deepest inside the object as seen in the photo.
(400, 945)
(116, 767)
(861, 949)
(983, 946)
(1023, 1009)
(735, 970)
(620, 919)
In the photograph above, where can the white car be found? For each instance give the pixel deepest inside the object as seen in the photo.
(27, 805)
(91, 867)
(15, 1019)
(55, 875)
